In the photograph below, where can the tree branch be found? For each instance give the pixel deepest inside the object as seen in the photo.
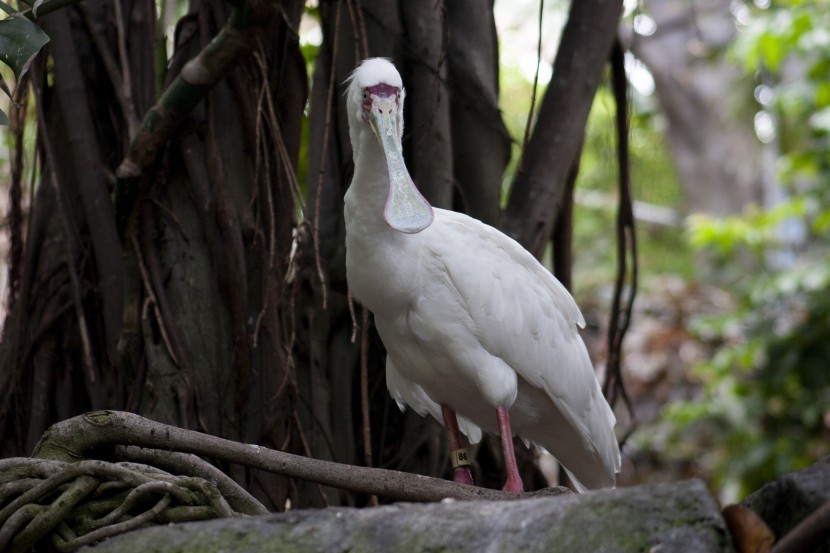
(807, 534)
(73, 438)
(198, 76)
(539, 186)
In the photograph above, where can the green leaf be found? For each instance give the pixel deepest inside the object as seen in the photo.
(5, 87)
(801, 25)
(20, 41)
(822, 98)
(771, 51)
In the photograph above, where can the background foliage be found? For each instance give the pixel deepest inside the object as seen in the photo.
(762, 406)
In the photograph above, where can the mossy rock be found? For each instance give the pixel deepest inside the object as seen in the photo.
(681, 518)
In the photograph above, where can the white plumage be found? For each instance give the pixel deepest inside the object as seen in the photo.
(470, 319)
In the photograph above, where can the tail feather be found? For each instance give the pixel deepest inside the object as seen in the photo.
(589, 452)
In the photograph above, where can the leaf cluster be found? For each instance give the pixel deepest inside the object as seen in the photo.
(761, 411)
(787, 48)
(20, 41)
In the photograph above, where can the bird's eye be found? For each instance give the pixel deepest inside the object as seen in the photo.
(365, 96)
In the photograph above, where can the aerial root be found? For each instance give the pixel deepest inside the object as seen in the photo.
(72, 503)
(77, 504)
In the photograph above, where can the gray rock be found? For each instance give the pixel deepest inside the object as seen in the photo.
(790, 499)
(676, 518)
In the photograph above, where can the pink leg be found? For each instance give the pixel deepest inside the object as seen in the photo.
(461, 474)
(514, 481)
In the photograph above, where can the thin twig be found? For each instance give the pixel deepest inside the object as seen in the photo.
(172, 216)
(273, 121)
(324, 154)
(526, 137)
(364, 392)
(14, 218)
(262, 173)
(307, 451)
(126, 79)
(626, 243)
(361, 46)
(152, 300)
(352, 314)
(283, 157)
(104, 51)
(69, 236)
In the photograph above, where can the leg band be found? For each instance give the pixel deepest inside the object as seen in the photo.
(460, 458)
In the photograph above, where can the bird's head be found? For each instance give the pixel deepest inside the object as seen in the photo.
(375, 102)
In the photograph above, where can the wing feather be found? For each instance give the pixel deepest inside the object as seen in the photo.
(407, 393)
(525, 316)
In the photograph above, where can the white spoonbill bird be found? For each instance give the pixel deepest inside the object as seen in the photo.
(478, 333)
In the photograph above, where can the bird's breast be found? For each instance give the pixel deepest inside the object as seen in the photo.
(383, 268)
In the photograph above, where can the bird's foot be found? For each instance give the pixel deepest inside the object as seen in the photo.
(462, 475)
(514, 485)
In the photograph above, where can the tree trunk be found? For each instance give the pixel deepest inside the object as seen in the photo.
(196, 299)
(480, 142)
(720, 162)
